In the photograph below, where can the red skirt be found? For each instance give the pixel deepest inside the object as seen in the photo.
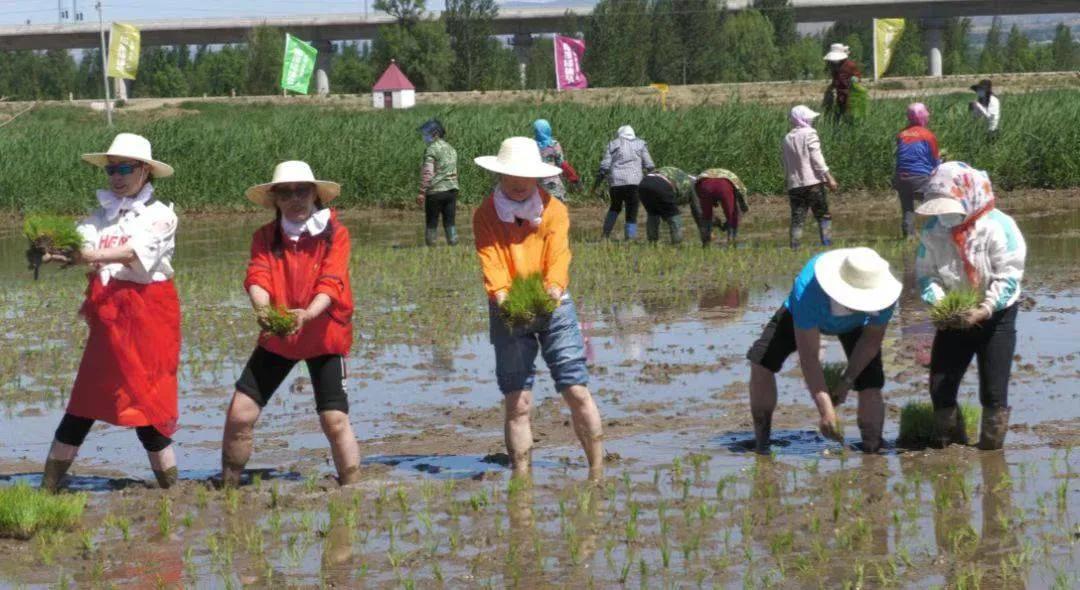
(127, 376)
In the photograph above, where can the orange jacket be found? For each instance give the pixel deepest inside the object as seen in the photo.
(293, 278)
(508, 250)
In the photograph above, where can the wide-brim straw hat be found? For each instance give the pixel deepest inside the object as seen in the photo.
(838, 52)
(984, 84)
(518, 156)
(131, 147)
(858, 279)
(292, 171)
(941, 206)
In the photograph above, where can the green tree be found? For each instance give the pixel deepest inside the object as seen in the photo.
(540, 73)
(88, 82)
(666, 61)
(1063, 50)
(469, 24)
(422, 51)
(956, 50)
(1019, 57)
(802, 61)
(219, 73)
(617, 40)
(407, 12)
(265, 49)
(351, 70)
(782, 16)
(908, 58)
(747, 44)
(699, 26)
(57, 74)
(992, 58)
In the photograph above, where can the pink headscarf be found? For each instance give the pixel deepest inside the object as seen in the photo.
(802, 116)
(918, 114)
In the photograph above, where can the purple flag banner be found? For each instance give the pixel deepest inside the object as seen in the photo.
(568, 54)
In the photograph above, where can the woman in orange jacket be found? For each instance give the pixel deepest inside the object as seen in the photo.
(300, 262)
(520, 230)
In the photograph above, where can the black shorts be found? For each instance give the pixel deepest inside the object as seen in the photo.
(777, 343)
(265, 371)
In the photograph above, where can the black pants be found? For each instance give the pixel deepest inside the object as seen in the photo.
(657, 196)
(992, 344)
(815, 199)
(73, 430)
(627, 194)
(265, 371)
(442, 203)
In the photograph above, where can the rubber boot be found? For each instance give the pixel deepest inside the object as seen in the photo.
(674, 224)
(825, 231)
(350, 476)
(907, 226)
(652, 228)
(430, 235)
(167, 478)
(732, 236)
(995, 425)
(54, 473)
(762, 432)
(705, 229)
(948, 427)
(609, 223)
(630, 231)
(796, 237)
(451, 235)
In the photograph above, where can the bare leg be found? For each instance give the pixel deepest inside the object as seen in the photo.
(163, 463)
(762, 404)
(343, 446)
(236, 445)
(871, 418)
(585, 417)
(518, 430)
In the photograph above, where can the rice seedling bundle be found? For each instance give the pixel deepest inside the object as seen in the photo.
(277, 320)
(526, 302)
(948, 313)
(917, 429)
(834, 373)
(25, 511)
(49, 234)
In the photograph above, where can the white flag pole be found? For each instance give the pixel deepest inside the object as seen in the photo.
(104, 65)
(873, 50)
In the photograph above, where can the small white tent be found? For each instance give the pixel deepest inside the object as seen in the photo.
(393, 90)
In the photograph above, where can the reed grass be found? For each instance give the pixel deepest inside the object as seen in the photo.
(26, 511)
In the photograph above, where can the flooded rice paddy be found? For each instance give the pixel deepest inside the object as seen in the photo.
(683, 503)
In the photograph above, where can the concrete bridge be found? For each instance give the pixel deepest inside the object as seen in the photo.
(520, 23)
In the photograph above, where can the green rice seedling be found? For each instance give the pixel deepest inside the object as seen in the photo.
(49, 234)
(949, 311)
(526, 302)
(917, 423)
(25, 511)
(276, 320)
(834, 373)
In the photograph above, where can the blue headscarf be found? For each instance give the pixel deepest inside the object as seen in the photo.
(542, 132)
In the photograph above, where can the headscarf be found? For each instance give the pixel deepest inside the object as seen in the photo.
(114, 204)
(432, 128)
(509, 210)
(627, 132)
(918, 114)
(542, 133)
(973, 190)
(802, 116)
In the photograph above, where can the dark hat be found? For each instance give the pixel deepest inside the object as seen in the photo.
(433, 127)
(983, 84)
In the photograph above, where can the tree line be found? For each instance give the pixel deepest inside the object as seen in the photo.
(630, 43)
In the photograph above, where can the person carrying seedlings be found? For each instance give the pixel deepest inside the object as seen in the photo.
(807, 175)
(968, 244)
(438, 183)
(849, 293)
(127, 376)
(845, 98)
(917, 156)
(521, 232)
(552, 153)
(299, 263)
(986, 105)
(624, 161)
(662, 193)
(720, 187)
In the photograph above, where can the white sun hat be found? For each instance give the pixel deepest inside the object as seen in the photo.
(940, 206)
(857, 278)
(131, 147)
(518, 156)
(292, 171)
(838, 52)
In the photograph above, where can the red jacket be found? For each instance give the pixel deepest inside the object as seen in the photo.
(293, 278)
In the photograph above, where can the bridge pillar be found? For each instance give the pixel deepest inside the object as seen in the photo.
(935, 40)
(322, 66)
(523, 43)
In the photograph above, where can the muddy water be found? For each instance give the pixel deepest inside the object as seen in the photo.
(671, 384)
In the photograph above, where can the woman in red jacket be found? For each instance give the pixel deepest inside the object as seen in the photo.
(300, 262)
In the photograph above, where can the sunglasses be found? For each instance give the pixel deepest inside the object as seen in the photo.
(284, 193)
(121, 169)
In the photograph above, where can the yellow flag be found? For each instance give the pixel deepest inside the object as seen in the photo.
(663, 90)
(887, 32)
(123, 51)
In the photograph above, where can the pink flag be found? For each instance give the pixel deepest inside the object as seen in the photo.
(568, 54)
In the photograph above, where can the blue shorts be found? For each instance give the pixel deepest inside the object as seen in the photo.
(560, 342)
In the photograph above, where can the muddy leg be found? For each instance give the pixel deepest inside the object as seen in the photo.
(871, 418)
(163, 463)
(588, 427)
(237, 442)
(518, 430)
(762, 404)
(60, 458)
(343, 446)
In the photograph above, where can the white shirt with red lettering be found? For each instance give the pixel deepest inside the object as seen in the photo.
(147, 225)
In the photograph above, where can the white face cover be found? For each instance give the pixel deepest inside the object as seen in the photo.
(951, 220)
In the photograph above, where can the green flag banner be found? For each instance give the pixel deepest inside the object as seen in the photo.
(123, 51)
(298, 65)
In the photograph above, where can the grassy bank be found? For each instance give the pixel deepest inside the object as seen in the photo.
(218, 150)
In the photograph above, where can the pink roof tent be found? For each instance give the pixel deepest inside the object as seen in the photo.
(392, 79)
